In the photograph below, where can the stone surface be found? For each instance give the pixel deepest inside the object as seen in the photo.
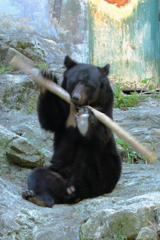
(143, 122)
(133, 205)
(62, 21)
(36, 48)
(22, 153)
(147, 234)
(17, 150)
(18, 100)
(127, 221)
(18, 91)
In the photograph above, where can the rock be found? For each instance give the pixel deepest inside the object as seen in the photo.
(17, 150)
(147, 234)
(132, 206)
(35, 50)
(34, 47)
(31, 131)
(18, 92)
(22, 153)
(5, 137)
(126, 221)
(18, 100)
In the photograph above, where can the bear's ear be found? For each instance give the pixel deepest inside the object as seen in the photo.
(69, 63)
(105, 69)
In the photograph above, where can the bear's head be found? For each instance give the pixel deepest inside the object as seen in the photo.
(84, 82)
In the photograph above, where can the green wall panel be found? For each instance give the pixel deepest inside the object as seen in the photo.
(127, 37)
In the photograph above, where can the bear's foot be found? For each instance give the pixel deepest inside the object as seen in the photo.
(30, 196)
(84, 118)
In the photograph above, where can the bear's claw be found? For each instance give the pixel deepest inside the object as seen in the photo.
(48, 75)
(30, 196)
(82, 111)
(26, 193)
(70, 190)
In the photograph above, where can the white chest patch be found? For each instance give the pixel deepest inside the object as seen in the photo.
(71, 118)
(82, 123)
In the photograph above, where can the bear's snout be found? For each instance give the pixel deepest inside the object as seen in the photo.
(76, 97)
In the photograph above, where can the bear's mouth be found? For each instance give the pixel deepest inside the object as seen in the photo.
(79, 105)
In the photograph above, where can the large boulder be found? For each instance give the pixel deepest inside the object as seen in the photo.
(17, 150)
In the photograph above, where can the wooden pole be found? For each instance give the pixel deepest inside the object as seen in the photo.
(17, 62)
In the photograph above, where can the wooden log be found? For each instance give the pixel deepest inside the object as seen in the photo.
(17, 62)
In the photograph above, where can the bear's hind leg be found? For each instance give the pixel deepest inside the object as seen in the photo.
(45, 187)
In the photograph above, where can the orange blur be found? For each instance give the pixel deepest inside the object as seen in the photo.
(118, 2)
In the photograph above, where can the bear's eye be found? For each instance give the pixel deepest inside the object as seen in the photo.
(89, 85)
(80, 81)
(70, 85)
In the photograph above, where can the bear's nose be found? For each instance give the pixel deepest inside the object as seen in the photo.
(76, 97)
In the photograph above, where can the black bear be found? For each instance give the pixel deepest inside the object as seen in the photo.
(85, 163)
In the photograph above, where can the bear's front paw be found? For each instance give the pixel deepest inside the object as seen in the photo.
(84, 119)
(47, 75)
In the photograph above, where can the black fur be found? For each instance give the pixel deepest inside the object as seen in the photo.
(82, 166)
